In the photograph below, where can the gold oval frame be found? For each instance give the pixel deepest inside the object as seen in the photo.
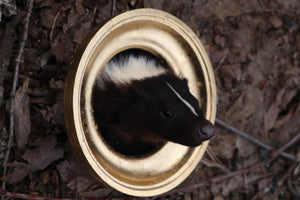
(163, 35)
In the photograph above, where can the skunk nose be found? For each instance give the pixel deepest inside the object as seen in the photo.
(206, 131)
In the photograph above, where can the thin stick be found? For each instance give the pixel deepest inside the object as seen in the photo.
(287, 145)
(286, 174)
(13, 92)
(221, 62)
(53, 25)
(214, 180)
(214, 164)
(113, 7)
(253, 140)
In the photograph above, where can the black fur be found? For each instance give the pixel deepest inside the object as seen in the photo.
(140, 116)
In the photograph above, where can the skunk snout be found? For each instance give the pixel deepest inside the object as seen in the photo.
(206, 131)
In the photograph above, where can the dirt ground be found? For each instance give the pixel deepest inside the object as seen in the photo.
(254, 47)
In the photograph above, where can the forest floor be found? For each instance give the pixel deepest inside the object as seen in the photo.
(254, 47)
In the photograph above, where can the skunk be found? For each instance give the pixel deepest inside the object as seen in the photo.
(139, 104)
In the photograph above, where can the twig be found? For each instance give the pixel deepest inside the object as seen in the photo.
(214, 180)
(113, 7)
(253, 140)
(286, 174)
(94, 13)
(221, 62)
(53, 25)
(213, 156)
(263, 189)
(13, 91)
(151, 4)
(215, 161)
(287, 145)
(214, 164)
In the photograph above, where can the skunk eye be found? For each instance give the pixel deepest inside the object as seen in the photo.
(167, 114)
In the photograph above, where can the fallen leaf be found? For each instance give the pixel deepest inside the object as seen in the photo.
(290, 107)
(81, 33)
(230, 76)
(264, 182)
(66, 170)
(38, 159)
(226, 186)
(248, 155)
(242, 108)
(22, 123)
(20, 170)
(79, 8)
(273, 111)
(76, 178)
(223, 146)
(42, 156)
(103, 14)
(63, 51)
(47, 17)
(73, 19)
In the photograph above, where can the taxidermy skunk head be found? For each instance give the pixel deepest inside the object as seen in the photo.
(138, 103)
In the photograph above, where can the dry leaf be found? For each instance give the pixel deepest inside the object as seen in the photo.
(230, 75)
(77, 179)
(22, 123)
(66, 170)
(42, 156)
(273, 111)
(18, 173)
(63, 51)
(38, 159)
(79, 8)
(82, 32)
(226, 186)
(241, 109)
(47, 17)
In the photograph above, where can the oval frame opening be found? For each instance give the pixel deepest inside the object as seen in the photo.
(160, 34)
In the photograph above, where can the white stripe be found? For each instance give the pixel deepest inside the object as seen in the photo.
(129, 69)
(183, 100)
